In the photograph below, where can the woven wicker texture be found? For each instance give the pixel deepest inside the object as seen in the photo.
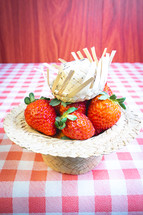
(111, 140)
(74, 166)
(81, 79)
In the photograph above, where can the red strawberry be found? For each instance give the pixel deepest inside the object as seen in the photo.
(61, 107)
(107, 89)
(40, 115)
(75, 125)
(105, 111)
(81, 107)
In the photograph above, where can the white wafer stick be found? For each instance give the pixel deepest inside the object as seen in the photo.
(98, 74)
(49, 66)
(112, 56)
(104, 70)
(74, 55)
(92, 83)
(75, 91)
(104, 52)
(67, 80)
(80, 55)
(62, 60)
(57, 66)
(46, 64)
(56, 82)
(94, 55)
(88, 55)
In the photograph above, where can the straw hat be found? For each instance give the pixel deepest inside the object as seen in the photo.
(71, 156)
(79, 80)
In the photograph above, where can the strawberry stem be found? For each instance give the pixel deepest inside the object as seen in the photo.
(120, 101)
(55, 102)
(60, 122)
(113, 98)
(31, 98)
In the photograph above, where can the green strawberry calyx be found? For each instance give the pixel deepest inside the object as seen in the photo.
(113, 97)
(60, 122)
(65, 138)
(31, 98)
(54, 102)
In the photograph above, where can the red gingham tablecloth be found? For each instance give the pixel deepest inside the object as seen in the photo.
(28, 186)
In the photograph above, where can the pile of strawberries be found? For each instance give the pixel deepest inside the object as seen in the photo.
(79, 121)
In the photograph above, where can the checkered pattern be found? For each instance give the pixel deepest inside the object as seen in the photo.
(28, 186)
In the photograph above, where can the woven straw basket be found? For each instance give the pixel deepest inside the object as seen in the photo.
(71, 156)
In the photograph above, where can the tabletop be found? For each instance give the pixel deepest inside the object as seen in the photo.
(28, 186)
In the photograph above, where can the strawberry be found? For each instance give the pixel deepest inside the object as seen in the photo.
(75, 125)
(81, 107)
(62, 107)
(107, 89)
(105, 111)
(40, 115)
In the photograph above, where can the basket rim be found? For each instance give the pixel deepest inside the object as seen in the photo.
(113, 139)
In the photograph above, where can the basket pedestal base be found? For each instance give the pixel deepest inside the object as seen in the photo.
(74, 166)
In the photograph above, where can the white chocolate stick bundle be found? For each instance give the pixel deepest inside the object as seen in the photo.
(81, 79)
